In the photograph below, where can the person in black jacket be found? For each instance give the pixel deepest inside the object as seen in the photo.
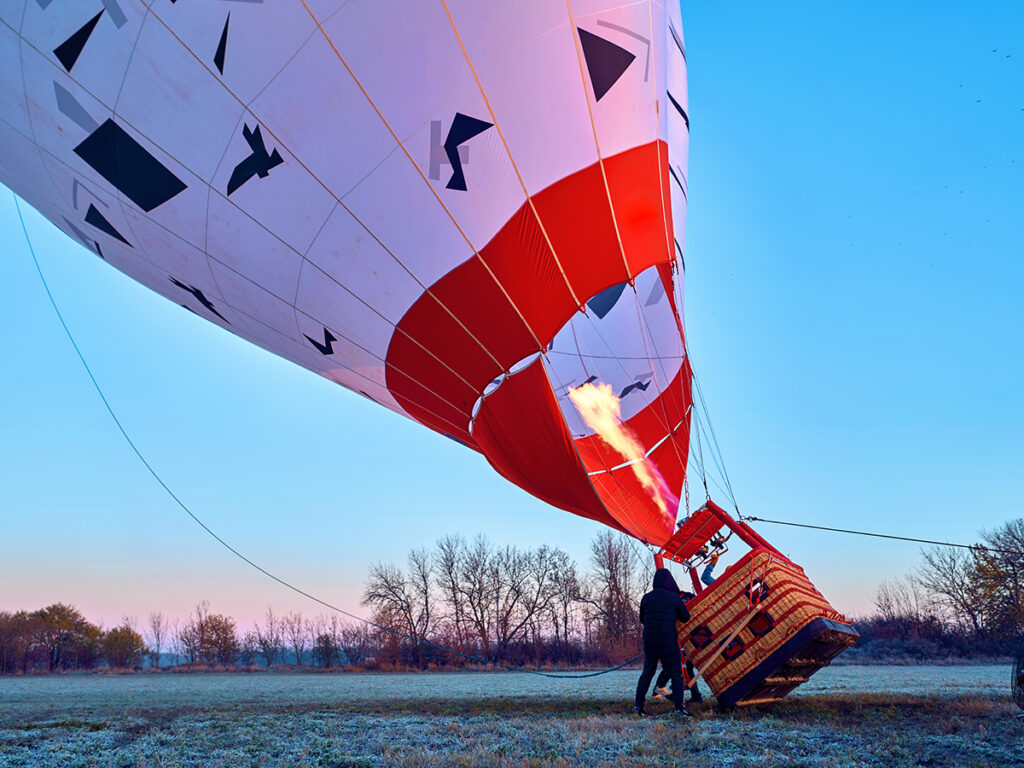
(660, 609)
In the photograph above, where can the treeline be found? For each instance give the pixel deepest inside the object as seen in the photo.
(492, 603)
(509, 605)
(958, 603)
(521, 607)
(59, 639)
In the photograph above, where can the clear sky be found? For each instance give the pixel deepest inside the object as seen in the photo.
(853, 302)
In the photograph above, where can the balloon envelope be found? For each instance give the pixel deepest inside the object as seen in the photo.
(463, 211)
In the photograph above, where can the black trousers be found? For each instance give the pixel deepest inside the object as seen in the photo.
(663, 678)
(671, 661)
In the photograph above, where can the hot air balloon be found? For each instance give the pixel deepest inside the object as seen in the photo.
(470, 213)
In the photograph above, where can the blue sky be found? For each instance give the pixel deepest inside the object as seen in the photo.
(854, 269)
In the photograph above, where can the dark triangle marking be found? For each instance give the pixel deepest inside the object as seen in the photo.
(686, 118)
(327, 348)
(222, 46)
(605, 61)
(98, 220)
(69, 51)
(463, 129)
(602, 304)
(98, 251)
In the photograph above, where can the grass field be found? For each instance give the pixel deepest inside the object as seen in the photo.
(846, 716)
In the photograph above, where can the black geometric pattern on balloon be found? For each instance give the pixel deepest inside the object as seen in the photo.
(126, 164)
(327, 348)
(678, 40)
(678, 180)
(679, 109)
(642, 386)
(86, 240)
(71, 108)
(258, 163)
(606, 61)
(218, 57)
(603, 302)
(463, 129)
(98, 220)
(200, 297)
(69, 51)
(656, 294)
(591, 380)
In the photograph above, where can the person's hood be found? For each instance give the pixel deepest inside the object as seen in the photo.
(663, 580)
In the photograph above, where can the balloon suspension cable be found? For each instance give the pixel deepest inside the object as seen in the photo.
(713, 447)
(974, 547)
(195, 518)
(700, 459)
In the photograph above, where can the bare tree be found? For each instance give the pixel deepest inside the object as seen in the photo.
(192, 635)
(157, 631)
(174, 643)
(477, 588)
(565, 595)
(401, 602)
(296, 632)
(616, 590)
(510, 570)
(902, 598)
(325, 646)
(248, 648)
(949, 575)
(355, 641)
(269, 637)
(447, 564)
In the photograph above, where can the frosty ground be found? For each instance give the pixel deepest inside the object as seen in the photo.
(846, 716)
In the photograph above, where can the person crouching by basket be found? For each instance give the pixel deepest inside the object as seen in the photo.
(660, 609)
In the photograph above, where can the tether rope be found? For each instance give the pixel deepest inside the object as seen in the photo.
(979, 547)
(238, 554)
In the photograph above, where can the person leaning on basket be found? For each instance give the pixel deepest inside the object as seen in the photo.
(661, 690)
(660, 609)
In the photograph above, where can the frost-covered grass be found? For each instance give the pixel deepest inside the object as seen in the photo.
(848, 716)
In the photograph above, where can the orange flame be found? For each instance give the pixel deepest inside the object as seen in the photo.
(602, 412)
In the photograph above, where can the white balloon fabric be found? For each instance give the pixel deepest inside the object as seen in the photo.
(459, 209)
